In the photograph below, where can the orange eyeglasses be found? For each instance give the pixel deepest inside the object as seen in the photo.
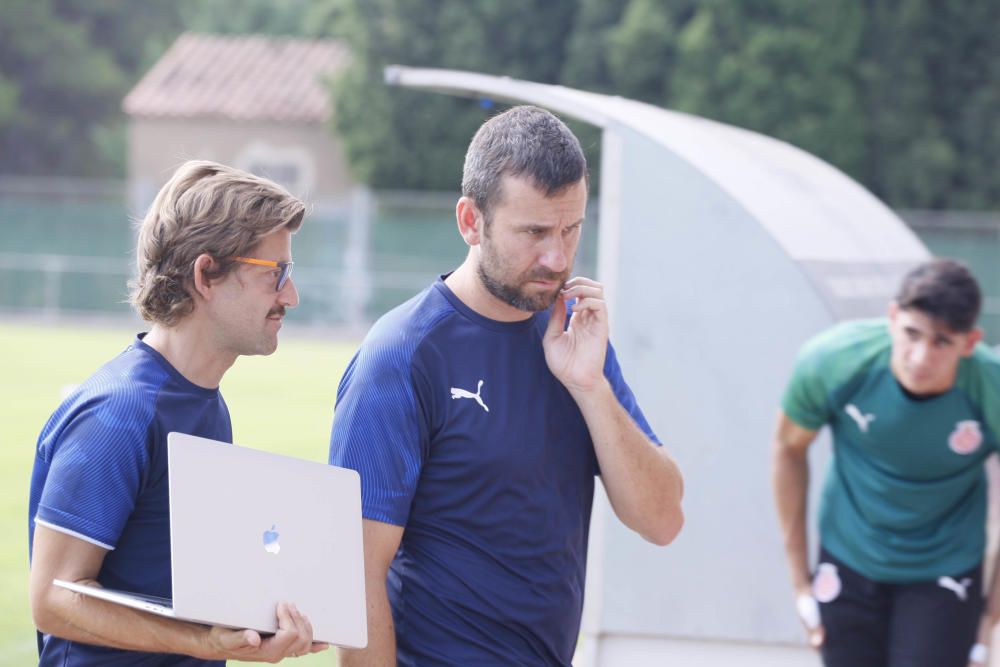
(284, 268)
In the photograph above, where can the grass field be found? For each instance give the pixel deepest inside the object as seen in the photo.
(283, 403)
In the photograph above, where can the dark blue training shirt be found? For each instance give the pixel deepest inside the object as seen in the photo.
(462, 434)
(100, 475)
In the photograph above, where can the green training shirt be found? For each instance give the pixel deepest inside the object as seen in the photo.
(905, 493)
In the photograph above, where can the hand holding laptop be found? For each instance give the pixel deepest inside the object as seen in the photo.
(285, 528)
(293, 639)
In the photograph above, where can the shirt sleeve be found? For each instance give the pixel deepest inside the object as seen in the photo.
(613, 372)
(805, 400)
(97, 463)
(979, 378)
(378, 430)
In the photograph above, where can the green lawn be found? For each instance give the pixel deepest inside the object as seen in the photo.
(283, 403)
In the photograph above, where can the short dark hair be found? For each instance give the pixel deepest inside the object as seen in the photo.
(522, 141)
(945, 290)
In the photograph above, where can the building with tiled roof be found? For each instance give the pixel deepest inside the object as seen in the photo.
(260, 103)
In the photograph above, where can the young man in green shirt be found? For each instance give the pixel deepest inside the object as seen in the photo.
(913, 404)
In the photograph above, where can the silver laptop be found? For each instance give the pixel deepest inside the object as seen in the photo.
(249, 529)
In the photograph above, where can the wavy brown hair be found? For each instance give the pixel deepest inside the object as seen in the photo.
(205, 208)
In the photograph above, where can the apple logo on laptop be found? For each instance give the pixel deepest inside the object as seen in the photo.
(271, 545)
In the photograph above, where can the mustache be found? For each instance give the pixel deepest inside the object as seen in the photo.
(277, 312)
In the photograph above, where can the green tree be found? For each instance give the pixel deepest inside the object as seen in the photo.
(403, 138)
(641, 51)
(779, 67)
(58, 88)
(586, 65)
(243, 17)
(930, 82)
(65, 66)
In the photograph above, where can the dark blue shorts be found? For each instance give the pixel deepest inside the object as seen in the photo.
(872, 624)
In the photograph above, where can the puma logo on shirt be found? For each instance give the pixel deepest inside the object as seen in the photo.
(464, 393)
(862, 420)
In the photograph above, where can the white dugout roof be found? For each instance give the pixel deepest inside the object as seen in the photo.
(721, 251)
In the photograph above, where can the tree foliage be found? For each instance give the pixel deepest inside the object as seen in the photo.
(903, 95)
(66, 65)
(781, 67)
(929, 78)
(404, 138)
(61, 82)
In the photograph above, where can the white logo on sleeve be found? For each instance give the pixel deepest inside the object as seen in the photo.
(959, 588)
(862, 420)
(464, 393)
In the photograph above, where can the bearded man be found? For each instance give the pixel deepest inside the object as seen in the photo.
(478, 415)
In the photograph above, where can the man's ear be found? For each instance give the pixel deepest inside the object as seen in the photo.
(971, 340)
(470, 220)
(893, 311)
(202, 283)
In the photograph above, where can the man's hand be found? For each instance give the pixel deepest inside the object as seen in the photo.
(979, 656)
(293, 639)
(808, 610)
(576, 355)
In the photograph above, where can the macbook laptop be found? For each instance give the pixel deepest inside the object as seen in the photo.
(249, 529)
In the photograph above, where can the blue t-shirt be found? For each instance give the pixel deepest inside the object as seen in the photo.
(100, 475)
(462, 434)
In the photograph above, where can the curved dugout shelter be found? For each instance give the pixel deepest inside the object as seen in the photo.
(721, 251)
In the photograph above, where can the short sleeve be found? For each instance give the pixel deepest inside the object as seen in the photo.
(613, 372)
(377, 431)
(979, 378)
(97, 462)
(805, 399)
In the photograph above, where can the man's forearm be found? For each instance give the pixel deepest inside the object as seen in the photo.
(644, 483)
(381, 649)
(89, 620)
(791, 484)
(991, 610)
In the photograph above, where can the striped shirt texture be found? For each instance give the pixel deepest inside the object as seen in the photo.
(100, 475)
(462, 435)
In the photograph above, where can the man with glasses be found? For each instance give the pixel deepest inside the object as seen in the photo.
(213, 266)
(913, 404)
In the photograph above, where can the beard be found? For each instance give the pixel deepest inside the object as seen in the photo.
(492, 272)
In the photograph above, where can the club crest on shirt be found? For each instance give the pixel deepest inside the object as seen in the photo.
(966, 438)
(826, 583)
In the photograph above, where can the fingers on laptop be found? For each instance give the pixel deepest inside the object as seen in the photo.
(295, 629)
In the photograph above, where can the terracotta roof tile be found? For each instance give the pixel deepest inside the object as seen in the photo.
(240, 77)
